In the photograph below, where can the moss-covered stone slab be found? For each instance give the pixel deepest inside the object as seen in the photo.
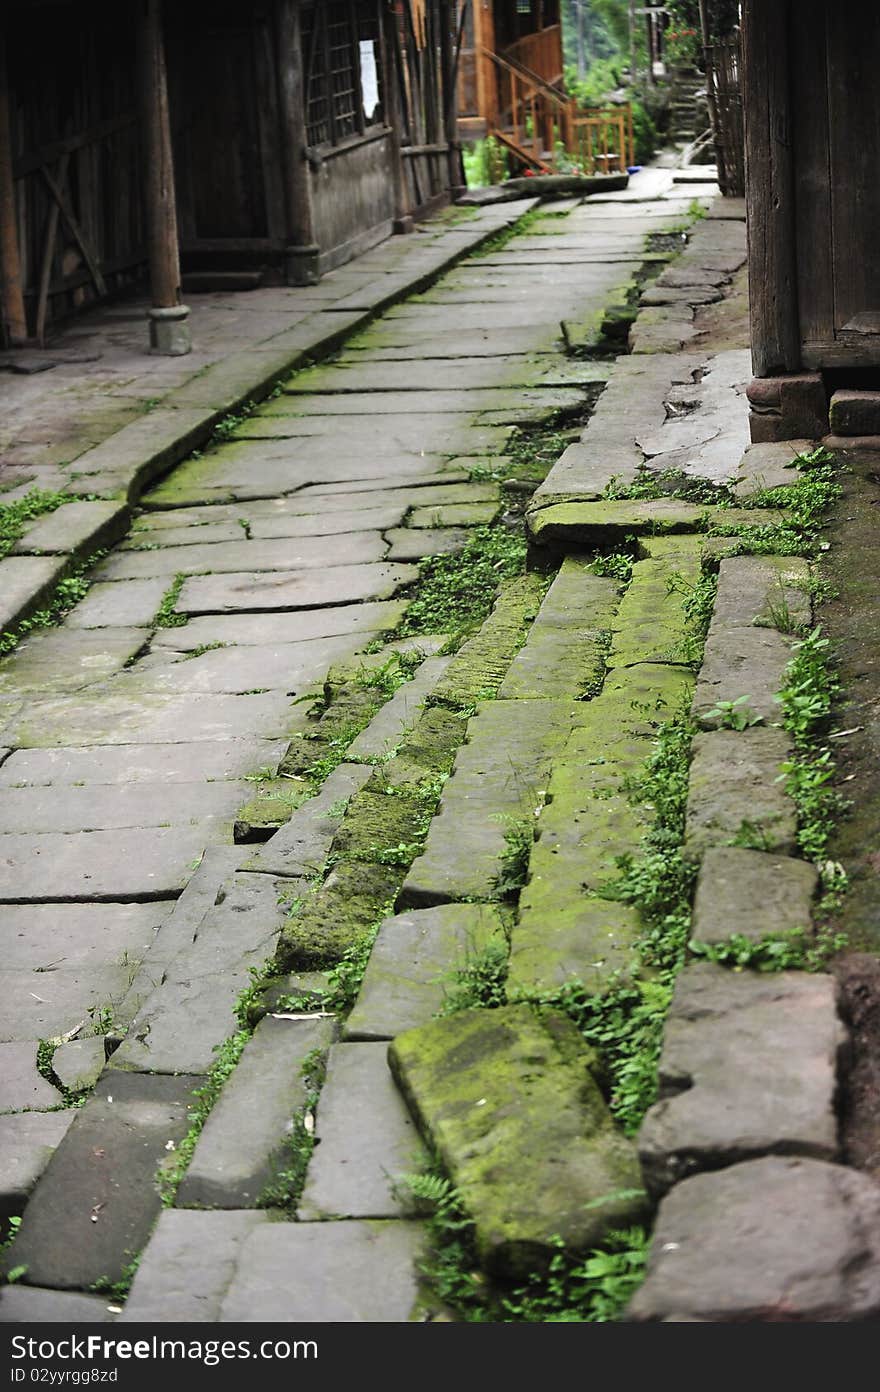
(273, 804)
(743, 665)
(497, 786)
(749, 1067)
(651, 624)
(507, 1099)
(454, 515)
(390, 724)
(481, 663)
(68, 660)
(765, 591)
(413, 963)
(564, 653)
(734, 796)
(752, 894)
(565, 935)
(76, 529)
(338, 916)
(609, 523)
(378, 826)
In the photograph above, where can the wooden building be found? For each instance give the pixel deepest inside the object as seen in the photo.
(511, 60)
(813, 202)
(256, 140)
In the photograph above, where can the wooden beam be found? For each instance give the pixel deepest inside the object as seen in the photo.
(56, 188)
(392, 89)
(770, 188)
(11, 296)
(49, 253)
(297, 178)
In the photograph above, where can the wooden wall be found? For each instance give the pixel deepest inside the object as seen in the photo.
(353, 201)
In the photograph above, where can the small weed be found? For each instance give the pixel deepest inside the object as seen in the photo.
(479, 981)
(246, 528)
(118, 1290)
(66, 594)
(734, 715)
(228, 1053)
(797, 949)
(455, 593)
(201, 649)
(618, 565)
(284, 1190)
(698, 601)
(518, 841)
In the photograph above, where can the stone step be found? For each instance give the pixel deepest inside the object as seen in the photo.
(751, 894)
(735, 797)
(855, 413)
(506, 1099)
(563, 654)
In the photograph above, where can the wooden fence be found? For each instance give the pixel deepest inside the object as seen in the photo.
(723, 64)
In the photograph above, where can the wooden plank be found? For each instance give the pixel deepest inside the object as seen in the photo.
(76, 231)
(49, 154)
(297, 180)
(770, 187)
(49, 254)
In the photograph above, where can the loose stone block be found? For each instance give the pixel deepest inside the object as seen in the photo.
(188, 1265)
(357, 1272)
(242, 1144)
(22, 1087)
(338, 916)
(27, 1141)
(302, 845)
(767, 591)
(78, 1064)
(734, 797)
(749, 1068)
(365, 1140)
(855, 413)
(233, 557)
(563, 654)
(752, 894)
(776, 1240)
(650, 625)
(608, 524)
(498, 780)
(27, 1305)
(506, 1098)
(412, 964)
(97, 1199)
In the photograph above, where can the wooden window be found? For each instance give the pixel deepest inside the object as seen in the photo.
(343, 89)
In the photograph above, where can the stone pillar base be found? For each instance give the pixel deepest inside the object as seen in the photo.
(301, 265)
(793, 407)
(401, 226)
(169, 331)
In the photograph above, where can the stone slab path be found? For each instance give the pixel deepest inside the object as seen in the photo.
(231, 657)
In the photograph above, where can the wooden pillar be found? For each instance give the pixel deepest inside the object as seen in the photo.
(487, 81)
(773, 307)
(402, 221)
(11, 293)
(169, 330)
(302, 250)
(448, 26)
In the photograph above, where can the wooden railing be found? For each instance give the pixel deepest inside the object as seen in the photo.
(540, 53)
(603, 139)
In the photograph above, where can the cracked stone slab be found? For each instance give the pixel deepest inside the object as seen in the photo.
(242, 1144)
(132, 604)
(43, 1005)
(776, 1240)
(133, 716)
(506, 1098)
(105, 1168)
(752, 894)
(749, 1068)
(412, 544)
(102, 806)
(75, 936)
(141, 863)
(358, 1271)
(188, 1266)
(342, 584)
(289, 667)
(303, 626)
(651, 624)
(27, 1142)
(68, 660)
(412, 964)
(301, 846)
(235, 557)
(208, 760)
(79, 1063)
(734, 796)
(563, 652)
(29, 1305)
(192, 1009)
(24, 582)
(365, 1140)
(266, 528)
(22, 1086)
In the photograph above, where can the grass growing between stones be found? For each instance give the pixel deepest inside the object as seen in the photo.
(166, 614)
(15, 516)
(285, 1189)
(592, 1288)
(228, 1054)
(455, 593)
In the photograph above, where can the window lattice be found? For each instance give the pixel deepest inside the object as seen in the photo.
(333, 31)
